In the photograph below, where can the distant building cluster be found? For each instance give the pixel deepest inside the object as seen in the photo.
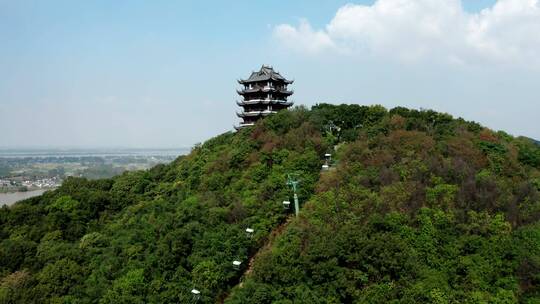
(30, 170)
(6, 183)
(50, 182)
(16, 183)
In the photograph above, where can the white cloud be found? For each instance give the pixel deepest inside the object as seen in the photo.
(304, 38)
(413, 30)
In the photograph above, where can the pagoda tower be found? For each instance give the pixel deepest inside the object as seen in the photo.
(264, 92)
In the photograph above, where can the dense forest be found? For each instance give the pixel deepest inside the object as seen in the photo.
(417, 206)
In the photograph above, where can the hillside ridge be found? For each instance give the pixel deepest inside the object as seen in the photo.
(419, 207)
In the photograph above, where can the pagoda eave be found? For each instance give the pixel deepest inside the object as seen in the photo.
(265, 78)
(243, 125)
(264, 101)
(264, 90)
(255, 113)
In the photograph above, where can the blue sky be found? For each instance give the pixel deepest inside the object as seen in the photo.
(163, 73)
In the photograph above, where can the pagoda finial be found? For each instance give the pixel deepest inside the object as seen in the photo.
(267, 68)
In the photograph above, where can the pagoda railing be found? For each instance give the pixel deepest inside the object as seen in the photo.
(263, 101)
(255, 113)
(265, 89)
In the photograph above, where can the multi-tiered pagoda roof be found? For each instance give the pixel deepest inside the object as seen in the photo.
(265, 92)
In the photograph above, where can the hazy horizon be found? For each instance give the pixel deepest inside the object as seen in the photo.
(163, 74)
(75, 148)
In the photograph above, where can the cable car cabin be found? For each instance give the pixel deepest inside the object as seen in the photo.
(327, 161)
(236, 264)
(196, 294)
(249, 232)
(286, 205)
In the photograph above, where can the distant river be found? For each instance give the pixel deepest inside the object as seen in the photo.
(11, 198)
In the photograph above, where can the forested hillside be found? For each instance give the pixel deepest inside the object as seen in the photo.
(417, 207)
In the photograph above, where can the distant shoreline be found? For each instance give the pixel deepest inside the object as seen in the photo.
(14, 190)
(22, 153)
(13, 197)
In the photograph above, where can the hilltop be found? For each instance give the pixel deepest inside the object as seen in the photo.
(417, 207)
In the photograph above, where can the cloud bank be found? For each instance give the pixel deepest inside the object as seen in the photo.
(507, 33)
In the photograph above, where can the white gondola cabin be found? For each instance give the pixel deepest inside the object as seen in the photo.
(286, 204)
(196, 294)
